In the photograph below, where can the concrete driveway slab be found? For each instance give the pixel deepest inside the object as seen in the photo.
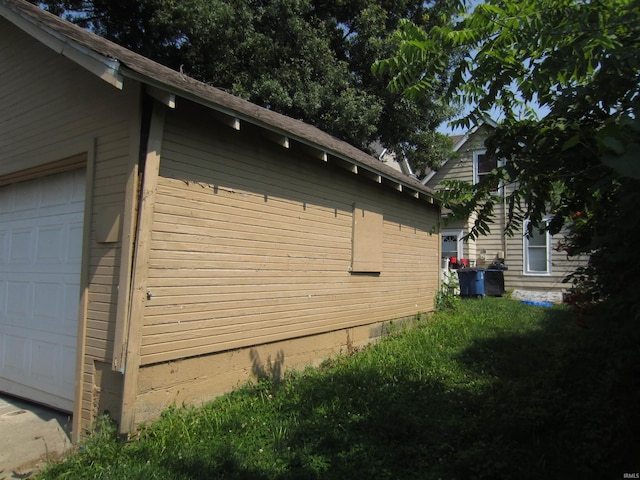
(30, 435)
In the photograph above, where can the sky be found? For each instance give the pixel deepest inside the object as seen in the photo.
(494, 114)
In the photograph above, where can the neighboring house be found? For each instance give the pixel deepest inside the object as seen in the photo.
(389, 158)
(535, 268)
(162, 241)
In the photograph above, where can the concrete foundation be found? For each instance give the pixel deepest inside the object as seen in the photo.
(197, 380)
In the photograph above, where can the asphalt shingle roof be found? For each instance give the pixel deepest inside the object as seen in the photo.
(134, 65)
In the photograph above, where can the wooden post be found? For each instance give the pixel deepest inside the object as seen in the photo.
(141, 268)
(127, 248)
(76, 423)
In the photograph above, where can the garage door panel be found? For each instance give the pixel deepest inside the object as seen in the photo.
(48, 366)
(44, 361)
(78, 187)
(4, 245)
(5, 206)
(58, 192)
(45, 273)
(24, 198)
(50, 240)
(67, 381)
(74, 243)
(14, 355)
(70, 306)
(41, 227)
(56, 308)
(21, 246)
(18, 306)
(46, 305)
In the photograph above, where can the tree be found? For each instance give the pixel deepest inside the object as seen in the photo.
(309, 59)
(579, 59)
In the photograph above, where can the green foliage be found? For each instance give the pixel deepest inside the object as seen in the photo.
(447, 297)
(308, 59)
(494, 389)
(577, 60)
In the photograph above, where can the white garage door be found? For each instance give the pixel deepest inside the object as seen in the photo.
(40, 258)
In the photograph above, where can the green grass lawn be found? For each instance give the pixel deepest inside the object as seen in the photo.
(494, 389)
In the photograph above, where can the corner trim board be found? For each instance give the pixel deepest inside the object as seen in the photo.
(83, 301)
(127, 246)
(141, 247)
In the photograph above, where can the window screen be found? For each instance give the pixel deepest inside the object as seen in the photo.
(537, 252)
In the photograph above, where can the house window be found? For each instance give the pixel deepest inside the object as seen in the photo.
(537, 251)
(483, 164)
(366, 253)
(451, 243)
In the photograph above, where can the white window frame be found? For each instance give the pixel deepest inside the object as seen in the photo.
(526, 247)
(476, 177)
(450, 233)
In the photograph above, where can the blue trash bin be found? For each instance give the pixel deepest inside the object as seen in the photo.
(471, 282)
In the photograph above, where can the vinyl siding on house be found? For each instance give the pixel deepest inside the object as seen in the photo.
(53, 109)
(251, 243)
(486, 247)
(461, 168)
(456, 169)
(560, 267)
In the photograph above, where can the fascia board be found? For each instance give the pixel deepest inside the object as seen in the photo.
(108, 69)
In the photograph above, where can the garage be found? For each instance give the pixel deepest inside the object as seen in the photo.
(41, 225)
(162, 241)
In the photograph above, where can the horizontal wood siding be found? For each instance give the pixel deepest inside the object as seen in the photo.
(485, 248)
(561, 266)
(488, 246)
(252, 244)
(52, 108)
(461, 167)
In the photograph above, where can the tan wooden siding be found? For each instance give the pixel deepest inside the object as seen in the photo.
(252, 243)
(460, 168)
(515, 277)
(51, 109)
(561, 266)
(488, 246)
(366, 234)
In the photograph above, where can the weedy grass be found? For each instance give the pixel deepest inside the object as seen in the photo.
(491, 388)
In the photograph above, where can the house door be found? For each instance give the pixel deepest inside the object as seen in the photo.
(451, 245)
(41, 223)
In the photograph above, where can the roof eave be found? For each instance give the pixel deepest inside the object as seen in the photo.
(113, 71)
(103, 67)
(282, 137)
